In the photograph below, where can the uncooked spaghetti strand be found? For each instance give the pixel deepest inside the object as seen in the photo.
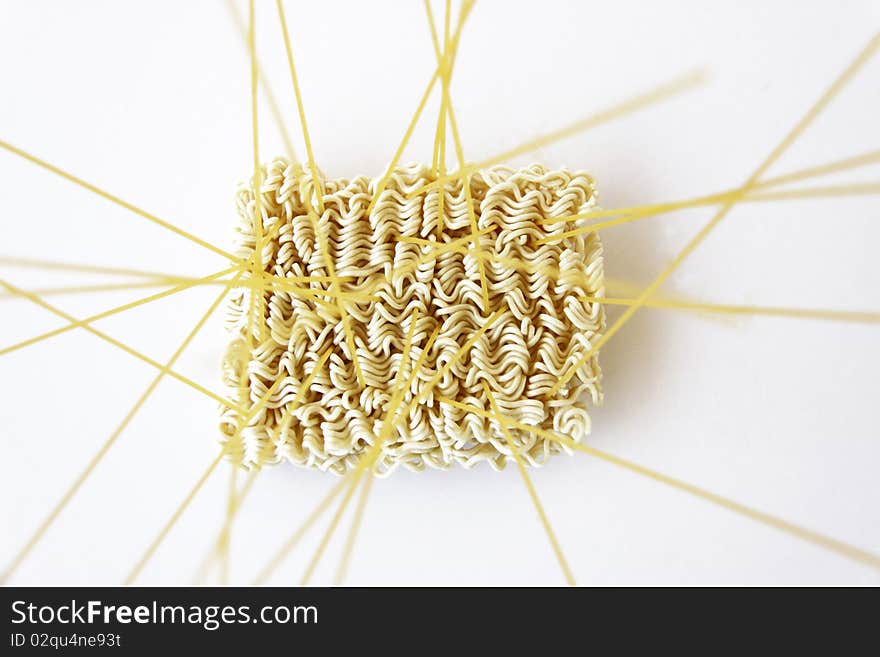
(300, 108)
(446, 59)
(829, 191)
(118, 201)
(91, 289)
(357, 520)
(50, 265)
(730, 309)
(438, 53)
(256, 302)
(211, 556)
(661, 93)
(836, 166)
(280, 123)
(63, 290)
(440, 139)
(446, 107)
(261, 284)
(231, 496)
(380, 186)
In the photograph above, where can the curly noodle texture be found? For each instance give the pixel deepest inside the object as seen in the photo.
(545, 325)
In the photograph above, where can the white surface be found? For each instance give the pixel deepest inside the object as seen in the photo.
(151, 101)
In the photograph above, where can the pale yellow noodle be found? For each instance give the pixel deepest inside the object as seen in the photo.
(544, 329)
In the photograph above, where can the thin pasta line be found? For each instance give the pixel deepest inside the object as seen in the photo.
(356, 522)
(211, 556)
(118, 201)
(264, 84)
(165, 282)
(231, 495)
(256, 302)
(36, 263)
(731, 309)
(299, 106)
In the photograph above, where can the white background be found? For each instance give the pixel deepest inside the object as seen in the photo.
(151, 101)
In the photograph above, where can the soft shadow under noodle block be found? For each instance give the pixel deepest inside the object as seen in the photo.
(546, 327)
